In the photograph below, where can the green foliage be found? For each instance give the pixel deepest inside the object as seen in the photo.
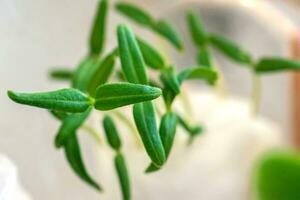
(201, 73)
(67, 100)
(204, 57)
(114, 95)
(170, 80)
(269, 65)
(196, 29)
(111, 133)
(97, 38)
(73, 155)
(191, 130)
(123, 176)
(61, 74)
(69, 126)
(145, 120)
(278, 176)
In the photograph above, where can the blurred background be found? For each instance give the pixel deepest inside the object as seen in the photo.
(36, 35)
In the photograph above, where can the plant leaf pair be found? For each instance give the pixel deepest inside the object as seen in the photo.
(73, 155)
(202, 73)
(65, 100)
(267, 65)
(69, 126)
(145, 120)
(115, 95)
(143, 18)
(191, 130)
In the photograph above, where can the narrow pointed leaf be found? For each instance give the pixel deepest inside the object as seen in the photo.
(144, 117)
(97, 37)
(69, 126)
(73, 155)
(102, 73)
(230, 49)
(202, 73)
(267, 65)
(61, 74)
(196, 29)
(110, 96)
(135, 13)
(191, 130)
(132, 60)
(151, 56)
(169, 96)
(123, 176)
(170, 79)
(204, 57)
(167, 31)
(111, 133)
(66, 100)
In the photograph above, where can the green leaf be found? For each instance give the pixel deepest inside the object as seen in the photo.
(204, 57)
(110, 96)
(97, 37)
(230, 49)
(66, 100)
(196, 29)
(102, 73)
(111, 133)
(72, 152)
(61, 74)
(267, 65)
(84, 73)
(69, 126)
(59, 115)
(169, 97)
(191, 130)
(278, 176)
(123, 176)
(203, 73)
(151, 56)
(132, 61)
(167, 31)
(135, 13)
(144, 117)
(169, 78)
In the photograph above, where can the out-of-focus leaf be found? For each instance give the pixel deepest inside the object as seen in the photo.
(170, 79)
(110, 96)
(73, 155)
(61, 74)
(269, 65)
(97, 38)
(204, 57)
(123, 176)
(191, 130)
(196, 29)
(111, 133)
(151, 56)
(66, 100)
(135, 13)
(202, 73)
(167, 31)
(132, 61)
(69, 126)
(145, 120)
(230, 49)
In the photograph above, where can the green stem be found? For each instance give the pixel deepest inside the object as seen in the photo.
(256, 94)
(92, 132)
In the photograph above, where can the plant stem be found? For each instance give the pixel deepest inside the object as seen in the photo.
(256, 93)
(92, 132)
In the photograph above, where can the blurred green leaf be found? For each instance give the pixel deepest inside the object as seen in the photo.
(166, 30)
(135, 13)
(69, 126)
(151, 56)
(145, 120)
(231, 49)
(66, 100)
(72, 152)
(102, 73)
(278, 176)
(267, 65)
(204, 57)
(61, 74)
(202, 73)
(132, 61)
(97, 38)
(191, 130)
(114, 95)
(196, 29)
(111, 133)
(123, 176)
(169, 78)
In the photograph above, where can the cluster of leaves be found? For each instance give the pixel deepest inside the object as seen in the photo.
(90, 88)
